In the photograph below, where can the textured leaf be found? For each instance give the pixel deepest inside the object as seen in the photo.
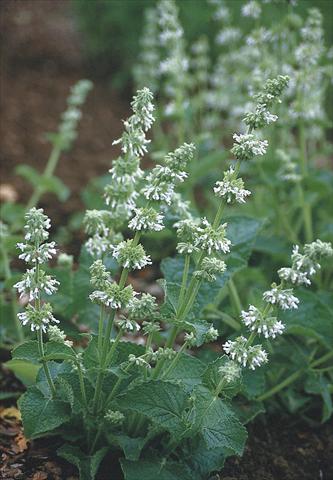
(164, 403)
(247, 410)
(41, 414)
(27, 351)
(218, 424)
(313, 318)
(155, 470)
(87, 465)
(131, 447)
(188, 370)
(253, 382)
(203, 460)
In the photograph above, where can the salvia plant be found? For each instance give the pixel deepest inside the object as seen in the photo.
(12, 214)
(144, 388)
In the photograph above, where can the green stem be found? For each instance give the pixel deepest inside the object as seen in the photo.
(287, 381)
(48, 172)
(235, 300)
(8, 276)
(184, 279)
(174, 361)
(114, 346)
(303, 150)
(100, 328)
(307, 216)
(45, 365)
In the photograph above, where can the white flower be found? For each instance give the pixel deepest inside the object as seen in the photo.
(97, 245)
(146, 219)
(230, 371)
(57, 335)
(30, 286)
(143, 108)
(268, 326)
(40, 254)
(212, 239)
(251, 9)
(37, 318)
(294, 276)
(240, 351)
(133, 141)
(231, 187)
(113, 296)
(128, 325)
(228, 35)
(131, 256)
(282, 298)
(247, 146)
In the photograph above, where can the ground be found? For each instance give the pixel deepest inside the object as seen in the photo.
(41, 59)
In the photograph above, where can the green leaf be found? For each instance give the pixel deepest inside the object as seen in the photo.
(247, 410)
(253, 382)
(56, 186)
(131, 447)
(23, 370)
(164, 403)
(203, 460)
(313, 318)
(188, 370)
(159, 469)
(87, 465)
(318, 384)
(41, 414)
(29, 173)
(211, 378)
(27, 351)
(218, 424)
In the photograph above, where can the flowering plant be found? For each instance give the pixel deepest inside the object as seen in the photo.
(155, 405)
(12, 214)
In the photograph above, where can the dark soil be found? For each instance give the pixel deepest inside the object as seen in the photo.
(41, 58)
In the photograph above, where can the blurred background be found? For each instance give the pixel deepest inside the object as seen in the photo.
(47, 45)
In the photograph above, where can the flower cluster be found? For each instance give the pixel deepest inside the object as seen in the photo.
(306, 264)
(247, 146)
(113, 296)
(146, 219)
(57, 335)
(247, 355)
(38, 317)
(143, 307)
(146, 73)
(162, 180)
(131, 256)
(251, 9)
(210, 266)
(263, 321)
(70, 118)
(33, 286)
(230, 371)
(257, 322)
(231, 187)
(35, 281)
(282, 298)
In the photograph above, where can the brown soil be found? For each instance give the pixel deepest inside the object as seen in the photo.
(41, 59)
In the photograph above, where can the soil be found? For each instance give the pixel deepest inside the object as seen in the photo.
(42, 56)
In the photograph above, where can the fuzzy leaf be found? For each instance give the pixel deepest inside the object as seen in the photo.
(27, 351)
(41, 414)
(164, 403)
(188, 370)
(87, 465)
(131, 447)
(160, 469)
(313, 318)
(218, 424)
